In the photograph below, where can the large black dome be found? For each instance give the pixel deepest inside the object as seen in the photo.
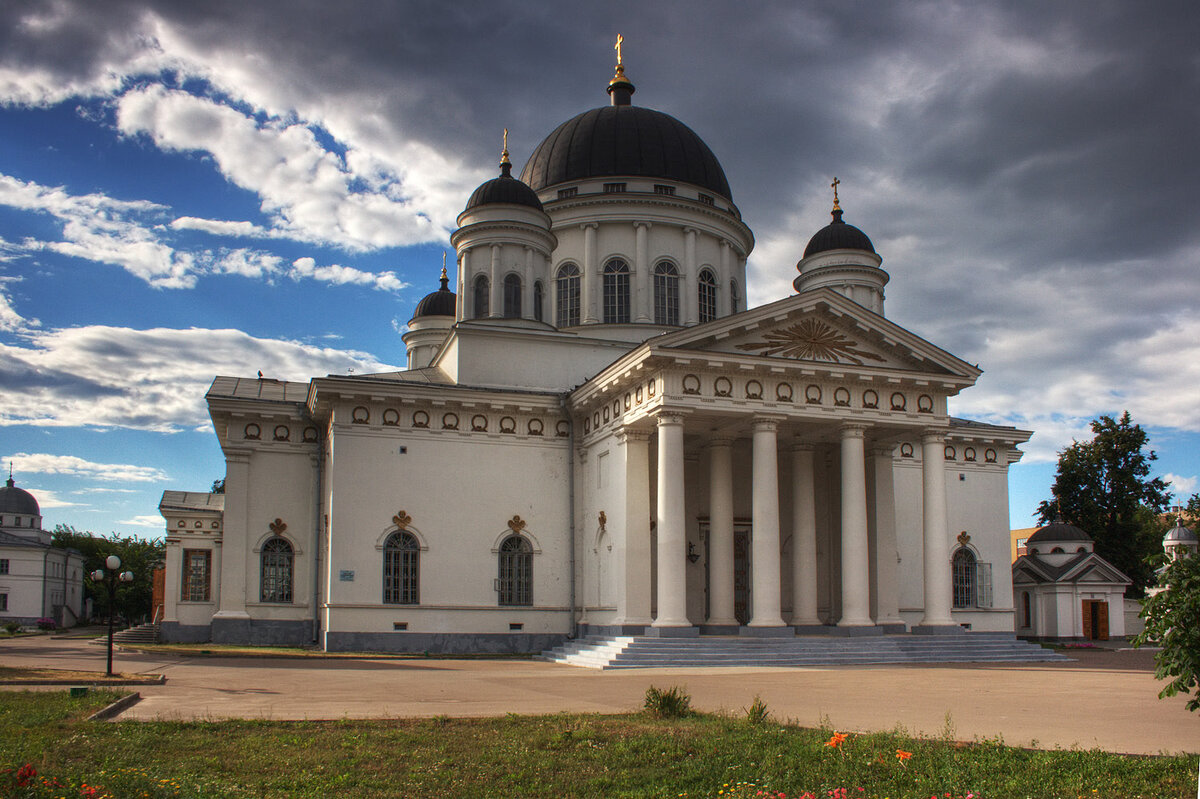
(504, 189)
(442, 302)
(837, 235)
(18, 500)
(625, 140)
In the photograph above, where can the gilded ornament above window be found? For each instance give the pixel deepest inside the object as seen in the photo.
(811, 340)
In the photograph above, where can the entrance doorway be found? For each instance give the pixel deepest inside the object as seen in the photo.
(1095, 620)
(741, 570)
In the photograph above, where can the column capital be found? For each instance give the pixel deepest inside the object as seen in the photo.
(643, 224)
(802, 445)
(716, 442)
(933, 436)
(633, 434)
(664, 416)
(691, 231)
(767, 421)
(854, 429)
(881, 450)
(592, 225)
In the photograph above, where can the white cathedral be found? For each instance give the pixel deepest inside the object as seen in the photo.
(595, 435)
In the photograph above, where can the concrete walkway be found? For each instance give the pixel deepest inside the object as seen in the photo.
(1105, 699)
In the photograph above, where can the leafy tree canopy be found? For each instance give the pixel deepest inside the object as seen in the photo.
(1173, 623)
(218, 486)
(138, 555)
(1103, 486)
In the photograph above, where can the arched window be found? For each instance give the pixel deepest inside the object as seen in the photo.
(963, 576)
(512, 297)
(666, 294)
(1026, 610)
(733, 297)
(708, 296)
(400, 573)
(616, 292)
(482, 290)
(566, 292)
(276, 571)
(516, 571)
(537, 300)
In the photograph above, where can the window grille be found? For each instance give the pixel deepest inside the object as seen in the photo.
(564, 194)
(537, 300)
(482, 289)
(706, 199)
(3, 565)
(613, 188)
(666, 294)
(708, 296)
(276, 581)
(567, 295)
(512, 297)
(616, 292)
(733, 297)
(972, 580)
(515, 582)
(400, 573)
(196, 567)
(667, 190)
(3, 601)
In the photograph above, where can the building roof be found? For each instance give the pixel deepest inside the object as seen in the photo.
(261, 388)
(191, 502)
(838, 235)
(624, 140)
(504, 190)
(1180, 535)
(442, 302)
(1058, 532)
(17, 500)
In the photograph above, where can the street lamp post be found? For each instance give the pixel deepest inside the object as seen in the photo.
(110, 577)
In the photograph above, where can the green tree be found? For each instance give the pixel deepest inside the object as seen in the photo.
(1103, 486)
(138, 555)
(1173, 623)
(218, 486)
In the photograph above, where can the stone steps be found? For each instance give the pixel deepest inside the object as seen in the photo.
(626, 652)
(142, 634)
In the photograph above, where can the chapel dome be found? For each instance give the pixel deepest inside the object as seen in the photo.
(1057, 532)
(17, 500)
(504, 190)
(838, 235)
(624, 140)
(1180, 535)
(442, 302)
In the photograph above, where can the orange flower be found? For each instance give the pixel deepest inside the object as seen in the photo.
(837, 740)
(901, 755)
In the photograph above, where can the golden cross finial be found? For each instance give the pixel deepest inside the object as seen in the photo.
(835, 183)
(444, 275)
(617, 47)
(504, 154)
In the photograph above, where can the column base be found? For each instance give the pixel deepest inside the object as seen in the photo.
(893, 627)
(613, 629)
(719, 629)
(856, 631)
(812, 629)
(938, 629)
(766, 632)
(672, 632)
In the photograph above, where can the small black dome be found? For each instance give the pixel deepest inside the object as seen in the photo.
(442, 302)
(837, 235)
(1057, 532)
(18, 500)
(504, 189)
(625, 140)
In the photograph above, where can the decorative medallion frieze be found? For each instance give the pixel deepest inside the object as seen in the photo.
(278, 527)
(402, 520)
(811, 340)
(516, 524)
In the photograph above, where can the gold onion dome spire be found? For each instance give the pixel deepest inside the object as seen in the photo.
(620, 89)
(505, 164)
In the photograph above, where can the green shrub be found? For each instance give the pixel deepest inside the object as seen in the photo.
(673, 703)
(757, 713)
(13, 627)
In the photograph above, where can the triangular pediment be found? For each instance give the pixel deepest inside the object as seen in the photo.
(823, 328)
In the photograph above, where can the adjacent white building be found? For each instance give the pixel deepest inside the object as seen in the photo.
(595, 434)
(37, 581)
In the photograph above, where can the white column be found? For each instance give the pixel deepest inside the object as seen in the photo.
(937, 548)
(764, 550)
(720, 532)
(689, 281)
(855, 585)
(496, 298)
(884, 552)
(644, 300)
(527, 286)
(592, 289)
(723, 307)
(231, 595)
(672, 541)
(804, 537)
(633, 555)
(460, 297)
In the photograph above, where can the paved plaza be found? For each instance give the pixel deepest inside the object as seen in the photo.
(1105, 699)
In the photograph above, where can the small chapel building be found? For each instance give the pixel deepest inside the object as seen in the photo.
(595, 434)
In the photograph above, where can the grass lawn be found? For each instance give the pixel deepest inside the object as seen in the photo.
(236, 650)
(10, 674)
(531, 756)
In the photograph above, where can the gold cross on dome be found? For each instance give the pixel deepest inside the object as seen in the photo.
(617, 47)
(504, 154)
(834, 185)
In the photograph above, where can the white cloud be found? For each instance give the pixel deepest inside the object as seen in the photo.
(341, 275)
(10, 320)
(144, 521)
(99, 376)
(220, 227)
(42, 463)
(49, 499)
(1181, 486)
